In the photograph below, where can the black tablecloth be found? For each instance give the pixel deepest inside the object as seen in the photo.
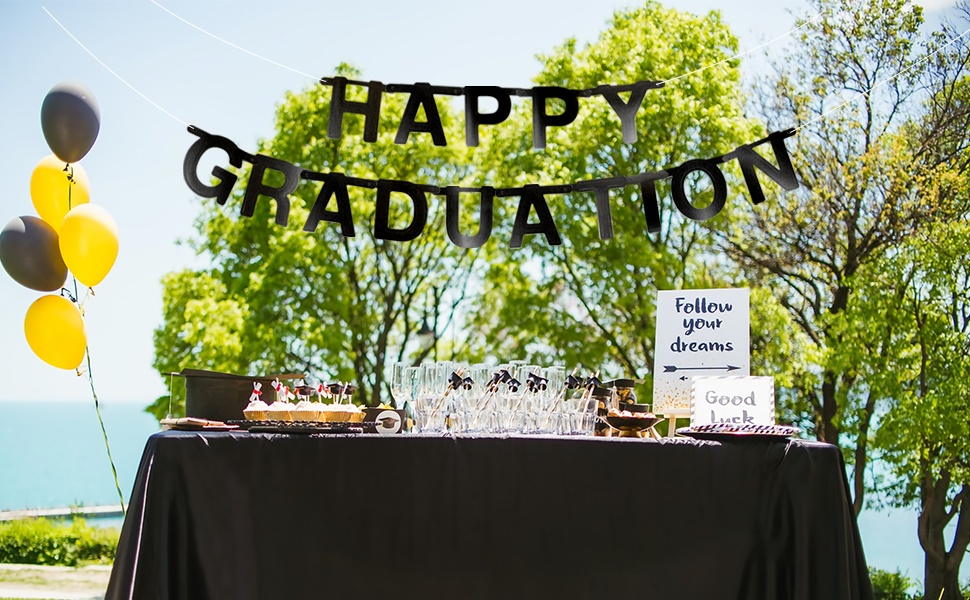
(243, 516)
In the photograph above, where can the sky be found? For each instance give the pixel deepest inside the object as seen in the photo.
(135, 167)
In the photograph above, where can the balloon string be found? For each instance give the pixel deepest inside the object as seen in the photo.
(97, 405)
(104, 432)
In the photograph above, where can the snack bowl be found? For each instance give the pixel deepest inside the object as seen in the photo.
(635, 424)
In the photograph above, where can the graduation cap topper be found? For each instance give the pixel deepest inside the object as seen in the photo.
(535, 383)
(455, 380)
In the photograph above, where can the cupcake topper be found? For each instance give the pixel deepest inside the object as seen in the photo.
(455, 381)
(467, 383)
(320, 393)
(257, 391)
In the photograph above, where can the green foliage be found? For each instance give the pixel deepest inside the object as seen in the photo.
(45, 542)
(891, 586)
(283, 300)
(592, 302)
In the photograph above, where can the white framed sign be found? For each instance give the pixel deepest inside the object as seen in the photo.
(735, 400)
(699, 332)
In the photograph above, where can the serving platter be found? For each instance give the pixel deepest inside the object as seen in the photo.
(731, 432)
(305, 427)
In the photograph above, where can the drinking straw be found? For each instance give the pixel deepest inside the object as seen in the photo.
(491, 388)
(522, 397)
(560, 397)
(451, 386)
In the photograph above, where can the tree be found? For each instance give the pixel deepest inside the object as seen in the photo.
(591, 302)
(278, 299)
(865, 189)
(908, 332)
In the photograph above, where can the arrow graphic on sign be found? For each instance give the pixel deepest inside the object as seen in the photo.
(673, 368)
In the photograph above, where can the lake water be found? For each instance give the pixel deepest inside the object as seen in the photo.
(52, 455)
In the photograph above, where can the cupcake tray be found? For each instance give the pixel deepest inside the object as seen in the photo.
(306, 427)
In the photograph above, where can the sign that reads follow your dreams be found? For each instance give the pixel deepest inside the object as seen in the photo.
(699, 332)
(734, 400)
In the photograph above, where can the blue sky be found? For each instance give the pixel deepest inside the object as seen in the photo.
(135, 168)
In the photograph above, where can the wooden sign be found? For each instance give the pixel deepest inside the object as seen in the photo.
(735, 400)
(699, 332)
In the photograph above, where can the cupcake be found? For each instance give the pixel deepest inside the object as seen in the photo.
(256, 410)
(304, 411)
(354, 414)
(344, 413)
(280, 411)
(333, 413)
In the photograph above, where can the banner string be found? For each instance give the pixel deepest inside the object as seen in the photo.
(812, 20)
(112, 72)
(231, 44)
(884, 81)
(800, 127)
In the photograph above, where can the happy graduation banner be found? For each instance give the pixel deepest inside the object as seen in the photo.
(531, 196)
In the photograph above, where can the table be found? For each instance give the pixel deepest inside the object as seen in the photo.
(244, 516)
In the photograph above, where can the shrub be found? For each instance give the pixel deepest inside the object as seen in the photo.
(891, 586)
(45, 542)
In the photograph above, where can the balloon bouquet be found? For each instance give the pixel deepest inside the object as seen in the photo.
(71, 234)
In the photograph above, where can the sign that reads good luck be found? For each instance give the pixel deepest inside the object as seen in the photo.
(734, 400)
(699, 332)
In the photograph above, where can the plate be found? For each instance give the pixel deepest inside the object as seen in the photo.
(719, 433)
(196, 424)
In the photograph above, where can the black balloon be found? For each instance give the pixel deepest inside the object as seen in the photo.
(29, 252)
(71, 120)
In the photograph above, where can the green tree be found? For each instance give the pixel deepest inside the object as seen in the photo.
(278, 299)
(866, 187)
(907, 333)
(592, 302)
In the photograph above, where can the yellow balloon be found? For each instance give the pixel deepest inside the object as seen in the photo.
(55, 332)
(89, 243)
(53, 193)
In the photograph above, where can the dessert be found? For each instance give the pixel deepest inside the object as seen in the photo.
(305, 411)
(256, 409)
(626, 413)
(343, 413)
(280, 411)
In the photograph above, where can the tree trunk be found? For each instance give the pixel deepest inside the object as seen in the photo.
(931, 539)
(828, 432)
(861, 455)
(941, 568)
